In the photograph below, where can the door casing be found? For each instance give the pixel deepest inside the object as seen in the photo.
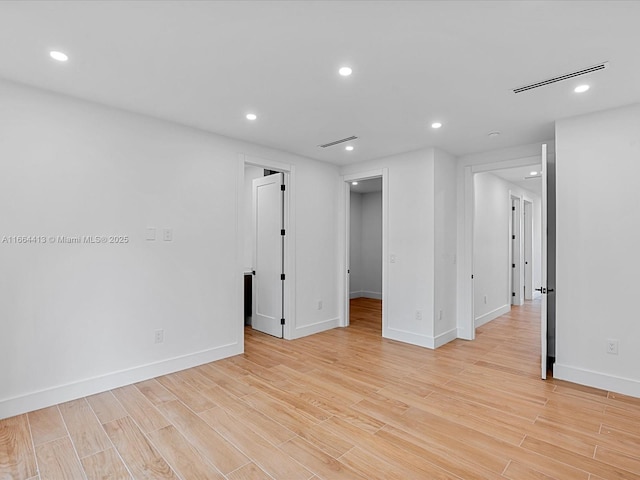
(466, 202)
(346, 194)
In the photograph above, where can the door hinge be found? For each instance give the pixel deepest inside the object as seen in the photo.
(513, 265)
(513, 237)
(513, 209)
(282, 232)
(283, 188)
(282, 276)
(253, 272)
(282, 321)
(513, 294)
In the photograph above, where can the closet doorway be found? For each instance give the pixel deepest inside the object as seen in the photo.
(365, 254)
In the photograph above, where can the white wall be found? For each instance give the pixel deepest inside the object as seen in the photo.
(445, 248)
(365, 250)
(250, 174)
(80, 318)
(411, 241)
(372, 245)
(317, 263)
(491, 244)
(355, 245)
(490, 248)
(597, 171)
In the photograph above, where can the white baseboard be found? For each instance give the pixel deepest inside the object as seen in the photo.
(90, 386)
(365, 294)
(492, 315)
(317, 327)
(374, 295)
(590, 378)
(445, 337)
(409, 337)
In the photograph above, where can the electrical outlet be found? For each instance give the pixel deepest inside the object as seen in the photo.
(151, 233)
(612, 346)
(418, 315)
(440, 315)
(319, 304)
(485, 299)
(167, 234)
(392, 258)
(159, 336)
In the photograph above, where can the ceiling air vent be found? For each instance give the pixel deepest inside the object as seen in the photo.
(579, 73)
(337, 142)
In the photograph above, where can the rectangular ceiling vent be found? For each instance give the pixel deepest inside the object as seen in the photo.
(337, 142)
(579, 73)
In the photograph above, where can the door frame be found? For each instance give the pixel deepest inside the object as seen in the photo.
(346, 202)
(466, 206)
(543, 279)
(289, 241)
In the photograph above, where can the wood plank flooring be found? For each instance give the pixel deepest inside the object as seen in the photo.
(343, 404)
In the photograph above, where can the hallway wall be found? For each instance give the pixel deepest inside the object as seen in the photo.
(598, 259)
(366, 245)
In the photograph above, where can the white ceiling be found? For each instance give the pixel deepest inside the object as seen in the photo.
(208, 63)
(370, 185)
(517, 176)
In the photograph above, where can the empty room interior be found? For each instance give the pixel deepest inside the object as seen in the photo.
(319, 240)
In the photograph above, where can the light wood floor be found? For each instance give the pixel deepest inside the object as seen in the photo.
(344, 404)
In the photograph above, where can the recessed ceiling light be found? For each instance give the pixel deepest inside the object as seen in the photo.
(251, 116)
(354, 183)
(533, 173)
(59, 56)
(494, 134)
(581, 88)
(436, 125)
(345, 71)
(348, 148)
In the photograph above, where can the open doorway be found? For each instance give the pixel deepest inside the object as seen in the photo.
(365, 253)
(504, 239)
(266, 249)
(545, 215)
(468, 279)
(366, 257)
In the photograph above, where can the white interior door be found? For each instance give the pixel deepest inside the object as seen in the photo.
(543, 287)
(268, 219)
